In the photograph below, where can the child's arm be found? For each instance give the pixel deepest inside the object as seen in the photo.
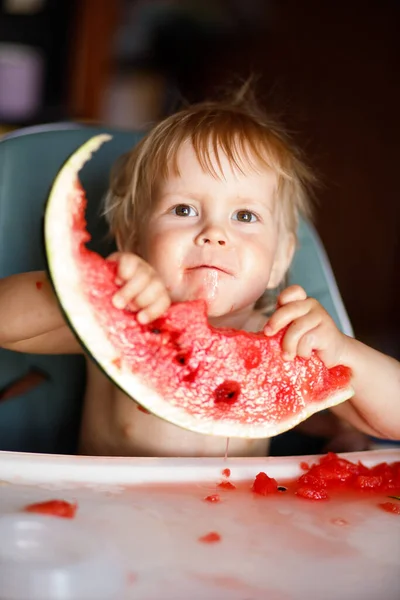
(375, 407)
(30, 318)
(376, 381)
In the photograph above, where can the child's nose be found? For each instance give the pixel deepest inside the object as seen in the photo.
(213, 236)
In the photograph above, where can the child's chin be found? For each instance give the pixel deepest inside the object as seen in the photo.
(217, 309)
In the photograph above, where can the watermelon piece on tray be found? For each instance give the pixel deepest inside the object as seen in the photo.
(216, 381)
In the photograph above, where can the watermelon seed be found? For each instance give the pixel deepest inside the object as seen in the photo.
(282, 488)
(181, 359)
(227, 392)
(156, 331)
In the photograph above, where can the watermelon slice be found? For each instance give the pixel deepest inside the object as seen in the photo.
(216, 381)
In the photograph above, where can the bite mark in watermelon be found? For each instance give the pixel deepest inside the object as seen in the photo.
(217, 381)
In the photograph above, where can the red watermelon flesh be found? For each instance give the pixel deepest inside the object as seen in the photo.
(218, 381)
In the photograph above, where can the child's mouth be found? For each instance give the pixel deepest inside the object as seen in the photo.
(210, 268)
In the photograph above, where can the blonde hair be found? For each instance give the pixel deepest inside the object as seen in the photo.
(238, 129)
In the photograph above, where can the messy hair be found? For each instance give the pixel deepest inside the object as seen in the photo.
(235, 127)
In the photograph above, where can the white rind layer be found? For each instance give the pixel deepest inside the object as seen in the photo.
(60, 249)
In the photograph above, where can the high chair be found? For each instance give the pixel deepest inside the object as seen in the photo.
(40, 395)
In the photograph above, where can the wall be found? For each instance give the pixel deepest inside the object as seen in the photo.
(332, 69)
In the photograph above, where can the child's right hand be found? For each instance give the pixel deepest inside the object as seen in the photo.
(141, 288)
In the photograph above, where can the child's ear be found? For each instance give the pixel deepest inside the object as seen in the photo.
(283, 258)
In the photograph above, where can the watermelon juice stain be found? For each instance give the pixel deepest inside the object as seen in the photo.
(204, 284)
(226, 449)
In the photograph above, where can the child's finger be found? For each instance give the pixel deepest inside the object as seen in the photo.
(132, 289)
(307, 343)
(154, 290)
(155, 310)
(293, 293)
(128, 266)
(285, 315)
(114, 256)
(299, 328)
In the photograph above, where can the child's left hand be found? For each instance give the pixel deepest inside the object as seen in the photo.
(310, 328)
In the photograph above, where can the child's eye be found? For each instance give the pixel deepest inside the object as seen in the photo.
(184, 210)
(245, 216)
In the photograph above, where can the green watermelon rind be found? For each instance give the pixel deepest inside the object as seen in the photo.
(65, 278)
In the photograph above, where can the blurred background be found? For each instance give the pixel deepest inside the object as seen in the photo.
(330, 70)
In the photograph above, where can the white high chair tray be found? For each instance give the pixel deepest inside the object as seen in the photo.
(272, 548)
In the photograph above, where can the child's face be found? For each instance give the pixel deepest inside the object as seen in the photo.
(216, 238)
